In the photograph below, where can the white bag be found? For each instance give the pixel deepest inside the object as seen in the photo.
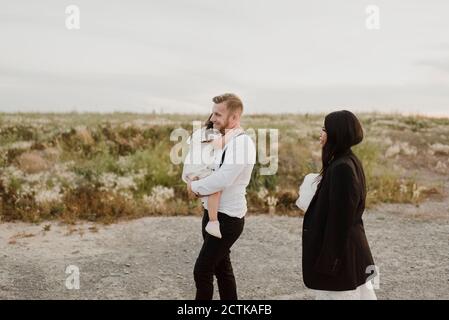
(307, 190)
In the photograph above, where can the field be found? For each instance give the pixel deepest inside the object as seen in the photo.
(107, 167)
(100, 193)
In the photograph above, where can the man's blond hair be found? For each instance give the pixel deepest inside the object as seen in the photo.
(233, 102)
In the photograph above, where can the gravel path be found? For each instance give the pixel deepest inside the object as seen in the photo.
(153, 257)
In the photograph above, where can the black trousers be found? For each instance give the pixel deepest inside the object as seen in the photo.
(214, 259)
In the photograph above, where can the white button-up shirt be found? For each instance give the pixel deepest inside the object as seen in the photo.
(231, 178)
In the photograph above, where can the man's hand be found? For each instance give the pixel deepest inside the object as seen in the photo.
(189, 189)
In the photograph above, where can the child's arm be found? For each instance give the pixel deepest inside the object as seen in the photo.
(219, 143)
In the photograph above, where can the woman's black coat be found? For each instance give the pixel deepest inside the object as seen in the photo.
(336, 254)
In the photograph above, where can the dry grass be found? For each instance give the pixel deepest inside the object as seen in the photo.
(103, 168)
(19, 235)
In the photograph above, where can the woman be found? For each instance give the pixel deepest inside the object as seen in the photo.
(336, 256)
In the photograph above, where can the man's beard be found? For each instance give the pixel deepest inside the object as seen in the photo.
(222, 129)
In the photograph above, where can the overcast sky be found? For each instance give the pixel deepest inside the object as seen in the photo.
(279, 56)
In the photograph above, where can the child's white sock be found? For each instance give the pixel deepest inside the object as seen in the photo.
(213, 228)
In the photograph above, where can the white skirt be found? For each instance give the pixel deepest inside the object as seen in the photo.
(362, 292)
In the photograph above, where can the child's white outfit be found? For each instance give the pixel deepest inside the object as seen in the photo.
(201, 160)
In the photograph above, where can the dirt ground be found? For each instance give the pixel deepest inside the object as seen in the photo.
(153, 257)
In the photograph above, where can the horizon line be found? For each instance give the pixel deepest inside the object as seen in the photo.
(374, 112)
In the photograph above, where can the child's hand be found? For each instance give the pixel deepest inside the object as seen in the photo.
(234, 131)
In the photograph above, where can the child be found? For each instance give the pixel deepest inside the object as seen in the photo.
(211, 144)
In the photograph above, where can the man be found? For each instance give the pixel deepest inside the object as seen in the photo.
(231, 178)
